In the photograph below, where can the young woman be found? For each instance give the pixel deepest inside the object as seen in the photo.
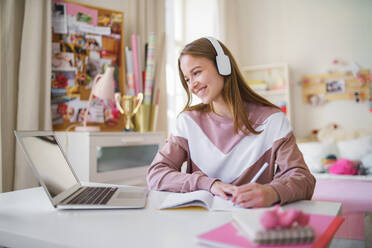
(227, 138)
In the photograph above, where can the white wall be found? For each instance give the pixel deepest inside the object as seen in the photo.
(309, 35)
(201, 19)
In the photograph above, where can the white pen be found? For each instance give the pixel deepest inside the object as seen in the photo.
(259, 173)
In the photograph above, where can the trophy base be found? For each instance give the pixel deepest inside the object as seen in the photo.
(87, 129)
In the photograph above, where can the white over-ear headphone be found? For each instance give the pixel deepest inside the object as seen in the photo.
(222, 60)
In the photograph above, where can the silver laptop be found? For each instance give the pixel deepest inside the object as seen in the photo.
(65, 191)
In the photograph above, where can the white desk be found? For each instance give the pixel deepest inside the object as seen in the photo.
(27, 219)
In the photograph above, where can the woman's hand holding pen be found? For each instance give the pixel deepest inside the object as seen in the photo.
(247, 195)
(254, 195)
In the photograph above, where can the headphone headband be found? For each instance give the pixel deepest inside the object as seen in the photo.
(222, 60)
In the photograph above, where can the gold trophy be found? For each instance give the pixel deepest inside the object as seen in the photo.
(128, 107)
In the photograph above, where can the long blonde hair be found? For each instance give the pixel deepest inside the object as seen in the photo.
(235, 91)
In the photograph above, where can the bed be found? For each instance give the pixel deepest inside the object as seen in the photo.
(353, 191)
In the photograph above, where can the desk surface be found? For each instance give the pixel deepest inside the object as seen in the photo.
(27, 219)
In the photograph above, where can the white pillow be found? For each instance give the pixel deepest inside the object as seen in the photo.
(314, 152)
(367, 162)
(355, 149)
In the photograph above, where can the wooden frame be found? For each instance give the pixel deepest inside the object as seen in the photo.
(337, 86)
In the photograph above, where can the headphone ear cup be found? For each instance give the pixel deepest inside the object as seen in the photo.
(222, 60)
(223, 64)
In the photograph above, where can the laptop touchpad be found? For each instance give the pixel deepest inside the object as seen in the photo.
(130, 195)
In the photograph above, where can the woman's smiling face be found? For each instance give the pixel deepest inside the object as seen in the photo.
(202, 78)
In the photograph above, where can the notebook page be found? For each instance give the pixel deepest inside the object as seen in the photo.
(220, 204)
(200, 198)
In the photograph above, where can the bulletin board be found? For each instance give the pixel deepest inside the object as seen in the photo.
(85, 40)
(336, 86)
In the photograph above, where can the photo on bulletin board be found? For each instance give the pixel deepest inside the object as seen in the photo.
(318, 89)
(85, 40)
(64, 82)
(335, 85)
(62, 61)
(59, 18)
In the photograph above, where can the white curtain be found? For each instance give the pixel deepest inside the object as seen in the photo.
(33, 108)
(11, 23)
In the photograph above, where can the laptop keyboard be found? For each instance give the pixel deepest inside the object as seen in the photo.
(93, 196)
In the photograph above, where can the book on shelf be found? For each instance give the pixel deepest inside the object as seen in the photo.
(140, 80)
(230, 235)
(199, 198)
(258, 85)
(159, 67)
(150, 69)
(136, 67)
(140, 66)
(130, 78)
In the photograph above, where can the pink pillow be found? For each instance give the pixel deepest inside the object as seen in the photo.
(343, 167)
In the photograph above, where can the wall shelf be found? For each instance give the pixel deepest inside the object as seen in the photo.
(272, 82)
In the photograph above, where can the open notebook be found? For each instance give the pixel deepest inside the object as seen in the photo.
(199, 198)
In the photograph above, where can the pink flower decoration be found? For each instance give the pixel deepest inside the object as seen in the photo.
(272, 219)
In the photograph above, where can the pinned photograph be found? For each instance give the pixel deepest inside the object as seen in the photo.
(82, 14)
(93, 68)
(81, 61)
(75, 38)
(83, 17)
(76, 109)
(335, 85)
(59, 18)
(63, 61)
(116, 20)
(104, 20)
(111, 113)
(56, 47)
(56, 117)
(93, 42)
(64, 80)
(81, 79)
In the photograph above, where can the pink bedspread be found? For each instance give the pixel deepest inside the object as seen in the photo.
(356, 198)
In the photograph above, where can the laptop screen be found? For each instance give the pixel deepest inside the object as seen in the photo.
(51, 165)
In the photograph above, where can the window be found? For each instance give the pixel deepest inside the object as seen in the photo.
(186, 20)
